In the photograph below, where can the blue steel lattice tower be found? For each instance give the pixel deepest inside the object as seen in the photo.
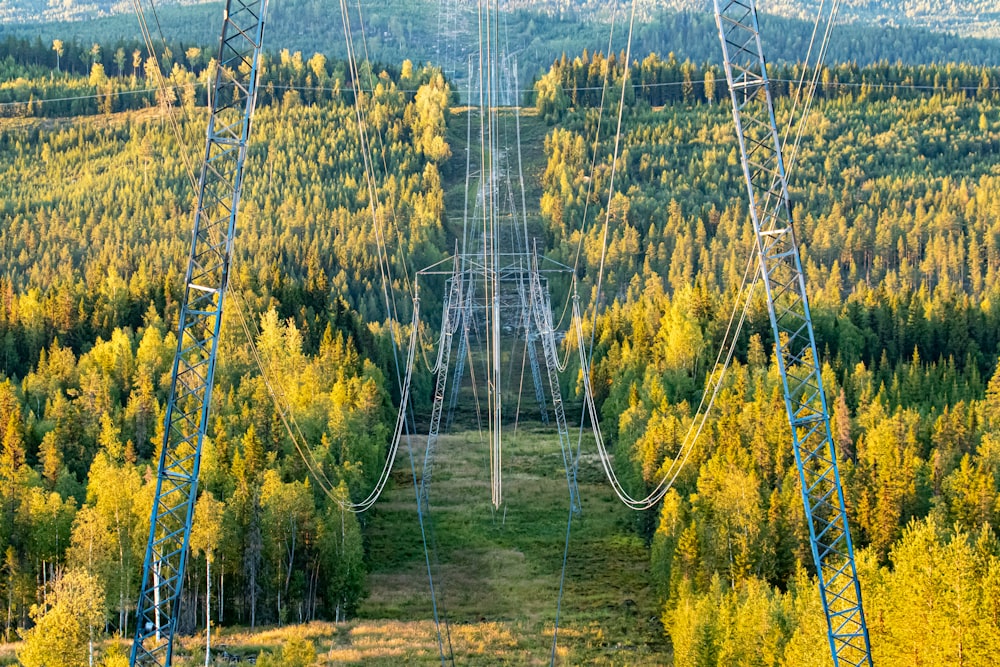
(234, 96)
(788, 309)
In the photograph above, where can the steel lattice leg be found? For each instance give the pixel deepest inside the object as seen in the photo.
(233, 101)
(543, 320)
(449, 324)
(788, 308)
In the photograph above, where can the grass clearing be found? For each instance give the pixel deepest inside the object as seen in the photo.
(533, 131)
(497, 573)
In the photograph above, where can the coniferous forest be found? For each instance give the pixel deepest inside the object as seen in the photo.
(896, 203)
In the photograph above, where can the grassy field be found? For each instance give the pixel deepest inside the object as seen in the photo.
(496, 573)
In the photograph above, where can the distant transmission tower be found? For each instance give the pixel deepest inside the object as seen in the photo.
(496, 321)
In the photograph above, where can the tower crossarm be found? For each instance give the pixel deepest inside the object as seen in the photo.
(234, 96)
(788, 309)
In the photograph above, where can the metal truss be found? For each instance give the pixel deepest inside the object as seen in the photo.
(542, 312)
(521, 298)
(530, 340)
(788, 308)
(450, 322)
(233, 100)
(468, 307)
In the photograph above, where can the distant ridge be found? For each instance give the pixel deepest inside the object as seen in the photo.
(967, 18)
(539, 31)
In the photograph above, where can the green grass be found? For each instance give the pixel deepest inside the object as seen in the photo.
(533, 160)
(497, 572)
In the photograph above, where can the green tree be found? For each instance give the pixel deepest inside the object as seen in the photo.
(709, 85)
(288, 521)
(343, 556)
(296, 652)
(120, 61)
(430, 106)
(550, 98)
(114, 656)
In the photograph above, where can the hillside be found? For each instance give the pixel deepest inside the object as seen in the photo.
(445, 33)
(975, 18)
(978, 18)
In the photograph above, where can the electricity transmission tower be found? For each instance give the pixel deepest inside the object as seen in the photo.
(234, 97)
(788, 309)
(497, 301)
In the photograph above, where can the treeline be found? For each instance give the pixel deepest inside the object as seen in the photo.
(74, 79)
(587, 79)
(896, 204)
(394, 31)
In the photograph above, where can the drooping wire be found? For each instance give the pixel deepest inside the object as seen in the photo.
(322, 481)
(585, 355)
(694, 430)
(700, 417)
(575, 457)
(316, 471)
(811, 92)
(562, 586)
(161, 85)
(283, 409)
(382, 152)
(385, 268)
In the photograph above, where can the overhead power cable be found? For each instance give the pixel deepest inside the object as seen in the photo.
(876, 85)
(715, 379)
(282, 407)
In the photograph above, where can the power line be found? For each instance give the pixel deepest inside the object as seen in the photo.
(876, 85)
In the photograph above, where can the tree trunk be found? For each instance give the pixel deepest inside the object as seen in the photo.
(315, 591)
(193, 588)
(291, 563)
(253, 557)
(10, 611)
(208, 609)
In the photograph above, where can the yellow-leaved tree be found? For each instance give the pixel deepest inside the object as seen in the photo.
(64, 628)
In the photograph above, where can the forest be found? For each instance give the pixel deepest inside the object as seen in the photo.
(964, 16)
(896, 194)
(896, 197)
(93, 238)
